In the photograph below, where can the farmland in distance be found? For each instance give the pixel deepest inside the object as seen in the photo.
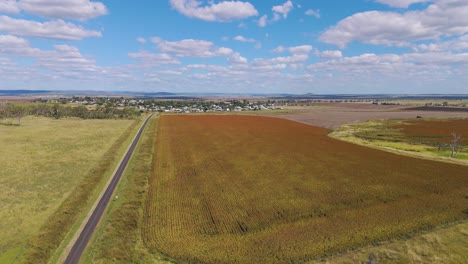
(243, 188)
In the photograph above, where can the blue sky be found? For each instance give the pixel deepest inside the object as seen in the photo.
(261, 46)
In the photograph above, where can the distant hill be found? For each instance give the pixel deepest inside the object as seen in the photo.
(22, 92)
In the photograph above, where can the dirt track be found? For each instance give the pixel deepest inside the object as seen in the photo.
(334, 115)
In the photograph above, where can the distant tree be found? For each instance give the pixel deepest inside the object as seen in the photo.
(455, 144)
(4, 112)
(19, 112)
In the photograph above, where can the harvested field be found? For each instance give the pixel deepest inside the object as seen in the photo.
(335, 115)
(258, 189)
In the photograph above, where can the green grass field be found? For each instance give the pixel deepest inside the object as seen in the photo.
(43, 162)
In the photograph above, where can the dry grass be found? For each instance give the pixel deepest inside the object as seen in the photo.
(43, 161)
(256, 189)
(445, 246)
(118, 239)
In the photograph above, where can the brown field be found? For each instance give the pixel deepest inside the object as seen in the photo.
(264, 190)
(333, 115)
(434, 130)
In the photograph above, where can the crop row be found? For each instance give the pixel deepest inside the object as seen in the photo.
(246, 189)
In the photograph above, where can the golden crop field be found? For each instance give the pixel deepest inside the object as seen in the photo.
(260, 189)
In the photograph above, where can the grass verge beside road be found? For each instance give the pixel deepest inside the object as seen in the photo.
(52, 167)
(118, 238)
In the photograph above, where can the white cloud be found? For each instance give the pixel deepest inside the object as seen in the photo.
(69, 9)
(236, 58)
(194, 48)
(141, 40)
(329, 54)
(410, 65)
(9, 7)
(66, 59)
(279, 49)
(263, 21)
(390, 28)
(296, 58)
(304, 49)
(222, 12)
(5, 62)
(457, 44)
(15, 46)
(153, 58)
(401, 3)
(437, 58)
(63, 60)
(315, 13)
(283, 9)
(57, 29)
(243, 39)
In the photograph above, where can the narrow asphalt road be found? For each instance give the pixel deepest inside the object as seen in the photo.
(80, 244)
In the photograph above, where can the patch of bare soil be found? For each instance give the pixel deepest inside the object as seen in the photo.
(335, 115)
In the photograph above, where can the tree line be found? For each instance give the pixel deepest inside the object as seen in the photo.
(13, 113)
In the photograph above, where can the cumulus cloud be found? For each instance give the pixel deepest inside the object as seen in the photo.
(283, 9)
(153, 58)
(401, 3)
(243, 39)
(329, 54)
(57, 29)
(296, 58)
(236, 58)
(64, 60)
(390, 28)
(279, 49)
(262, 22)
(457, 44)
(15, 46)
(194, 48)
(410, 65)
(315, 13)
(9, 7)
(69, 9)
(220, 12)
(304, 49)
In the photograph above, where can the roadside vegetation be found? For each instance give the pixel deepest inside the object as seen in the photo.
(118, 238)
(49, 169)
(259, 189)
(440, 139)
(12, 114)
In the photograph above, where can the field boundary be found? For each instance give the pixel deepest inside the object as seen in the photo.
(349, 138)
(93, 208)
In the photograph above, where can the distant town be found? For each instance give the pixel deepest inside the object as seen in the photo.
(172, 106)
(193, 105)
